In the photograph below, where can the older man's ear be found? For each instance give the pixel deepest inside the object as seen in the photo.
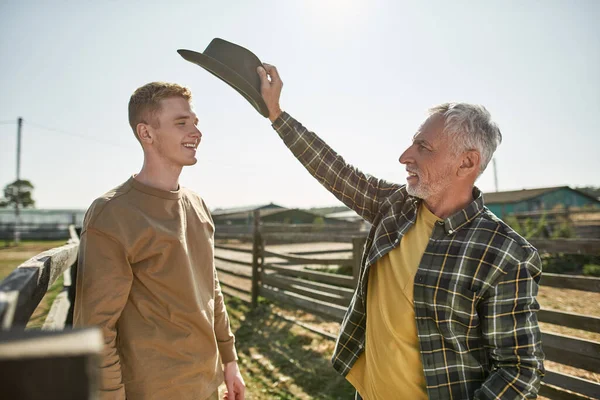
(470, 164)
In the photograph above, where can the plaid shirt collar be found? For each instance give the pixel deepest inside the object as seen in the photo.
(462, 218)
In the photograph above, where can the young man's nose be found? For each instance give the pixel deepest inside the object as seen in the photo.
(197, 132)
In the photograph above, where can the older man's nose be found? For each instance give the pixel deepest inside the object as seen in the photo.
(405, 157)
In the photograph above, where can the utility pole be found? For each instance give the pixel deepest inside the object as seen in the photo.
(495, 174)
(18, 188)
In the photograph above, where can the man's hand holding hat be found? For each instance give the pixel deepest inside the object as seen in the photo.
(270, 88)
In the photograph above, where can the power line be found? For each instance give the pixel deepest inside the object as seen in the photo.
(63, 132)
(27, 123)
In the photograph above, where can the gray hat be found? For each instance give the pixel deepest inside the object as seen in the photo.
(235, 66)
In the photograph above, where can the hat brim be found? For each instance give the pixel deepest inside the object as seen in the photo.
(228, 76)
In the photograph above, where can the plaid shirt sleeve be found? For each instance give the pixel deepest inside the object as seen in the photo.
(512, 335)
(361, 192)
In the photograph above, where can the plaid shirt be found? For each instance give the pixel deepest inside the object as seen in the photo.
(474, 291)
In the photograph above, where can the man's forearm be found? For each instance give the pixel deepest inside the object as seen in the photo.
(512, 335)
(223, 334)
(103, 269)
(361, 192)
(511, 383)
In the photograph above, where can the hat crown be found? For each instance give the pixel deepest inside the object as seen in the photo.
(237, 58)
(235, 66)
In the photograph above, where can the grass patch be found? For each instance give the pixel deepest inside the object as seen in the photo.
(41, 312)
(13, 256)
(8, 265)
(280, 360)
(591, 270)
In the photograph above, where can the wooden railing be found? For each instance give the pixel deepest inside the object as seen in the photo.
(275, 275)
(63, 361)
(24, 288)
(280, 277)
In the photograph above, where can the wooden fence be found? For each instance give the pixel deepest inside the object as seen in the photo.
(53, 362)
(257, 271)
(279, 277)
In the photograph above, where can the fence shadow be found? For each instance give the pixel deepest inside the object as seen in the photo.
(277, 350)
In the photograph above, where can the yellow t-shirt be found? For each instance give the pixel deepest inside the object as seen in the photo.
(391, 366)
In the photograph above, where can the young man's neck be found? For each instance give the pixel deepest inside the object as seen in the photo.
(163, 177)
(449, 203)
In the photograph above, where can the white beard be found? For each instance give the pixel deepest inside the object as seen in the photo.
(424, 191)
(417, 191)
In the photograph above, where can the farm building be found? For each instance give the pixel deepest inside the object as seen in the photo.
(542, 199)
(39, 224)
(269, 213)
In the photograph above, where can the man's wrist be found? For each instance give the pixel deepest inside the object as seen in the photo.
(275, 114)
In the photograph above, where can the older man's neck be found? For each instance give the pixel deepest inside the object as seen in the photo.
(449, 203)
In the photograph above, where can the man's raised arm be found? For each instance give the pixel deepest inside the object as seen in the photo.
(359, 191)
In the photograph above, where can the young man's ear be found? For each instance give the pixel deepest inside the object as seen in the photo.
(143, 133)
(470, 163)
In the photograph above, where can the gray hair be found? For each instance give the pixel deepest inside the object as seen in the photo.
(472, 128)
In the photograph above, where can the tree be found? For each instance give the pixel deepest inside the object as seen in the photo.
(21, 191)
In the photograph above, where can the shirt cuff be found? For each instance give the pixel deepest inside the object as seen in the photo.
(283, 124)
(227, 351)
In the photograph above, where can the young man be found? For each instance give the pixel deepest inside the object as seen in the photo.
(146, 272)
(445, 306)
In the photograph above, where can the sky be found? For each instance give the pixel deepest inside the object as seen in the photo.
(361, 74)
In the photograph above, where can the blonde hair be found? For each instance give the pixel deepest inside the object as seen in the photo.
(145, 102)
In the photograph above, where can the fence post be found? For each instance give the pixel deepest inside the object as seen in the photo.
(51, 365)
(257, 257)
(358, 245)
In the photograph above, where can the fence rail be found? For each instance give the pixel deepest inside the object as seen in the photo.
(572, 383)
(578, 353)
(300, 287)
(570, 320)
(297, 259)
(289, 237)
(584, 283)
(570, 246)
(24, 288)
(63, 362)
(316, 307)
(323, 277)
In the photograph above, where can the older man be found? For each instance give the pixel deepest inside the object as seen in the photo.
(445, 306)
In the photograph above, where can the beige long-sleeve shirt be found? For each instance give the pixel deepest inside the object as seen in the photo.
(146, 276)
